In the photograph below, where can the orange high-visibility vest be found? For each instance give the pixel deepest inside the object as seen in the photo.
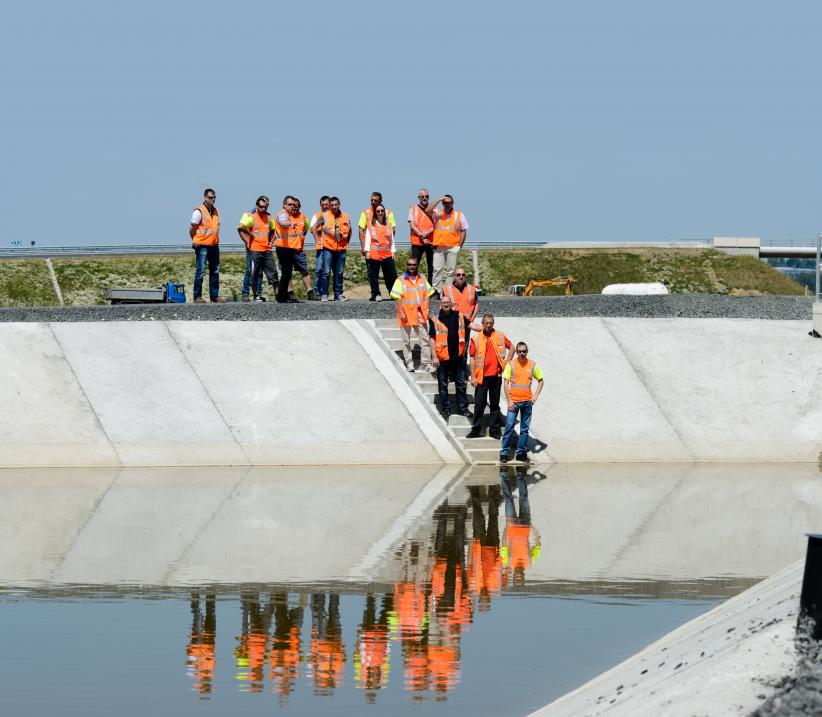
(208, 230)
(336, 231)
(519, 549)
(441, 340)
(481, 341)
(260, 232)
(318, 243)
(423, 222)
(521, 378)
(381, 237)
(464, 301)
(414, 300)
(290, 237)
(447, 230)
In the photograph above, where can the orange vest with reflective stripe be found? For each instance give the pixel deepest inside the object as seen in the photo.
(521, 378)
(441, 340)
(381, 239)
(423, 222)
(481, 341)
(290, 237)
(413, 302)
(260, 232)
(208, 230)
(336, 231)
(447, 230)
(465, 301)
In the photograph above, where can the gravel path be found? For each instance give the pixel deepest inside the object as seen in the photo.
(698, 306)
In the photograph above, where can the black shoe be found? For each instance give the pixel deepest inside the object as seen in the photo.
(522, 458)
(503, 459)
(373, 298)
(465, 412)
(292, 300)
(473, 433)
(495, 433)
(446, 412)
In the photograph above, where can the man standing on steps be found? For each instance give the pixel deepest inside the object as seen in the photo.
(447, 338)
(464, 298)
(411, 293)
(422, 230)
(450, 231)
(205, 240)
(256, 229)
(517, 378)
(490, 351)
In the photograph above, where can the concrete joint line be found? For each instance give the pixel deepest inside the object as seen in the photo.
(641, 378)
(424, 415)
(85, 395)
(205, 390)
(54, 283)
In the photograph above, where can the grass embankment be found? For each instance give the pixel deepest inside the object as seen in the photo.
(83, 281)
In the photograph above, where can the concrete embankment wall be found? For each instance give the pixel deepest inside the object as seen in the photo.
(328, 392)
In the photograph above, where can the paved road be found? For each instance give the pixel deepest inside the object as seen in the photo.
(670, 306)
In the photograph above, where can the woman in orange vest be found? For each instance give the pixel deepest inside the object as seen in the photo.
(517, 378)
(379, 251)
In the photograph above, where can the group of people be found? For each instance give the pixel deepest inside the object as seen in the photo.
(436, 233)
(495, 363)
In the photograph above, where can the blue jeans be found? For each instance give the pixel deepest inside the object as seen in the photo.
(523, 408)
(317, 273)
(332, 261)
(247, 277)
(210, 254)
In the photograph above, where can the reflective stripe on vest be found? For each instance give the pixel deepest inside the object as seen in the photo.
(497, 341)
(414, 299)
(465, 300)
(290, 237)
(441, 340)
(333, 229)
(447, 231)
(208, 230)
(521, 379)
(423, 222)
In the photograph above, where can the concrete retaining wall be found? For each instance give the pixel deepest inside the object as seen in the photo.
(323, 392)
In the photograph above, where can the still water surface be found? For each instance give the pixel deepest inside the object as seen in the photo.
(368, 590)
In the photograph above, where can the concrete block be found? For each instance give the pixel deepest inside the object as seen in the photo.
(738, 245)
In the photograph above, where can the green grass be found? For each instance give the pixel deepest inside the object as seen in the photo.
(83, 281)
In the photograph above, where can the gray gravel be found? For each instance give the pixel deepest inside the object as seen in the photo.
(698, 306)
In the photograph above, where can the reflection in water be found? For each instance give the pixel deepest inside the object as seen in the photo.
(517, 548)
(200, 650)
(327, 649)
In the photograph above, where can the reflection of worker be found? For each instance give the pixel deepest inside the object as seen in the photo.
(200, 650)
(517, 379)
(372, 657)
(485, 568)
(256, 229)
(490, 351)
(286, 653)
(450, 231)
(411, 293)
(251, 651)
(327, 657)
(517, 552)
(205, 240)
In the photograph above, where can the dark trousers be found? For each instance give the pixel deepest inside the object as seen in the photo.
(262, 262)
(286, 258)
(452, 369)
(389, 274)
(210, 255)
(427, 250)
(485, 394)
(258, 287)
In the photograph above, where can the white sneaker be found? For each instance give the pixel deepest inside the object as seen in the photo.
(428, 368)
(341, 297)
(323, 298)
(378, 298)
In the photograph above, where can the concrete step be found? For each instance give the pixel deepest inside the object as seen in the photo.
(460, 431)
(455, 420)
(487, 455)
(480, 443)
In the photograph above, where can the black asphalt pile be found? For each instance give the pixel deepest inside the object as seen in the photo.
(694, 306)
(800, 694)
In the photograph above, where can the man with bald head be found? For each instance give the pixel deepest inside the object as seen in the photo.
(422, 231)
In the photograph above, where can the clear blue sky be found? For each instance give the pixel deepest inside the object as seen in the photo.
(635, 120)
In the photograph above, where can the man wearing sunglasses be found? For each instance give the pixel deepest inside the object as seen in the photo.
(422, 230)
(517, 378)
(292, 226)
(464, 298)
(450, 232)
(205, 240)
(256, 229)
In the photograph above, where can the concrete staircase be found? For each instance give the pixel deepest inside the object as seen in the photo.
(480, 450)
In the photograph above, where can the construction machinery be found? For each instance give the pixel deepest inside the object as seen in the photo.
(528, 289)
(169, 293)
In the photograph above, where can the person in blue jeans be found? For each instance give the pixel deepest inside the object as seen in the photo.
(258, 290)
(517, 379)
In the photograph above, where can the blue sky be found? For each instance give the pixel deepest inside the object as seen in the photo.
(587, 121)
